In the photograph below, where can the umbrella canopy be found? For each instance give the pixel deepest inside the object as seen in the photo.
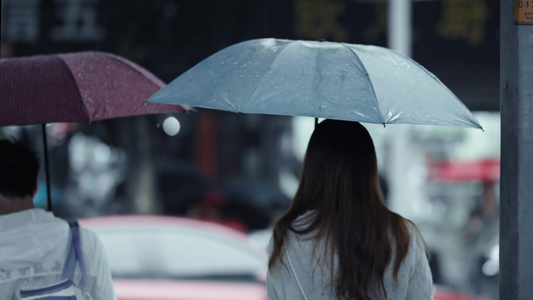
(318, 79)
(75, 87)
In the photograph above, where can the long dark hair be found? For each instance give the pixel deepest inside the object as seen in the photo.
(340, 186)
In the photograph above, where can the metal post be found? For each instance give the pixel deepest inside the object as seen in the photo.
(398, 156)
(516, 188)
(399, 26)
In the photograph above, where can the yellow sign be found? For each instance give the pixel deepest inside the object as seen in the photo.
(523, 12)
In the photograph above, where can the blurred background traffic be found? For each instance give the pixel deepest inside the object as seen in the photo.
(240, 171)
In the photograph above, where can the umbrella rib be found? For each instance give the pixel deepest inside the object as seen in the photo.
(78, 88)
(119, 59)
(149, 76)
(426, 71)
(136, 70)
(369, 81)
(441, 84)
(264, 74)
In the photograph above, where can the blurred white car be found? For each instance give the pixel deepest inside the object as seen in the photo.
(164, 258)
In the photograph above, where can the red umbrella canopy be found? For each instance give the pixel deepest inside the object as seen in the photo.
(75, 87)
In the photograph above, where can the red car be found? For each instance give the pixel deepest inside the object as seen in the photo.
(443, 293)
(171, 258)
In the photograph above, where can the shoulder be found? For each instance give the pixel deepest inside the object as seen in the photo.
(414, 231)
(88, 234)
(90, 240)
(417, 244)
(288, 238)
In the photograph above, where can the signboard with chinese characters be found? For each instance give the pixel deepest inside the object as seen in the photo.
(523, 12)
(30, 22)
(451, 38)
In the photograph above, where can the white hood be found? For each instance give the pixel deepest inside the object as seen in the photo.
(28, 236)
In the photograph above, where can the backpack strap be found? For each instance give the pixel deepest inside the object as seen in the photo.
(74, 255)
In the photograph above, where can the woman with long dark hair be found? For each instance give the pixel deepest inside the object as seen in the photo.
(338, 240)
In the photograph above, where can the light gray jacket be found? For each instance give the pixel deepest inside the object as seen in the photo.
(33, 245)
(414, 276)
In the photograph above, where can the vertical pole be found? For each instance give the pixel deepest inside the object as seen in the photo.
(516, 188)
(398, 153)
(47, 168)
(399, 26)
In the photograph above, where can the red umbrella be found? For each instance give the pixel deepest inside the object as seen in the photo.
(75, 87)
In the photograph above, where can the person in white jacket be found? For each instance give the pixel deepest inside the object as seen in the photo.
(338, 240)
(33, 242)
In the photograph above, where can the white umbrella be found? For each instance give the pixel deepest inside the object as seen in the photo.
(318, 79)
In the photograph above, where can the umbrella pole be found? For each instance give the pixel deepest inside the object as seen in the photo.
(316, 122)
(46, 168)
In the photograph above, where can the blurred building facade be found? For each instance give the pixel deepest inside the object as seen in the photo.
(243, 156)
(457, 40)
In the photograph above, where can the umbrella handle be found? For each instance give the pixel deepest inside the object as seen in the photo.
(46, 167)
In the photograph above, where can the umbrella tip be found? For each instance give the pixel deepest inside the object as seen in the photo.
(384, 126)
